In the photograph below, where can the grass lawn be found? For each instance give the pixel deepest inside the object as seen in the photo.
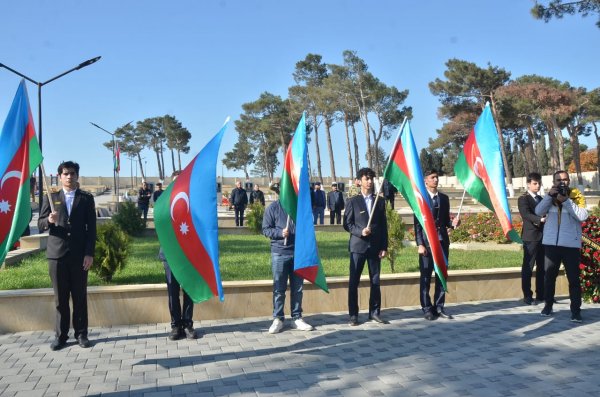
(246, 257)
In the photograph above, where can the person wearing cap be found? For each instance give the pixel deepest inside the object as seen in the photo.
(443, 222)
(335, 203)
(318, 204)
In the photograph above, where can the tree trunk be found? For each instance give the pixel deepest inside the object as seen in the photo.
(179, 159)
(365, 120)
(348, 144)
(158, 161)
(574, 139)
(530, 151)
(356, 156)
(502, 151)
(173, 159)
(318, 151)
(553, 147)
(560, 140)
(141, 168)
(161, 165)
(330, 148)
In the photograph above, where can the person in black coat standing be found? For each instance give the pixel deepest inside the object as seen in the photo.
(70, 252)
(533, 250)
(441, 214)
(257, 196)
(239, 200)
(367, 244)
(335, 203)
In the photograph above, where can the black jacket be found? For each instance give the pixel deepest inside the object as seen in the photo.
(442, 222)
(258, 196)
(356, 218)
(238, 198)
(335, 200)
(75, 234)
(532, 227)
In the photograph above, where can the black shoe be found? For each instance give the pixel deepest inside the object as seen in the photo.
(445, 315)
(375, 317)
(576, 318)
(546, 311)
(429, 316)
(353, 321)
(57, 344)
(83, 341)
(176, 333)
(528, 300)
(190, 333)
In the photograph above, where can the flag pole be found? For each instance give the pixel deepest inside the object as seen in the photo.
(461, 203)
(287, 224)
(47, 187)
(386, 166)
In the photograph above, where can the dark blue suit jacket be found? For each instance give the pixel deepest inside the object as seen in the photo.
(356, 218)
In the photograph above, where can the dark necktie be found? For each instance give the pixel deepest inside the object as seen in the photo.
(436, 207)
(538, 199)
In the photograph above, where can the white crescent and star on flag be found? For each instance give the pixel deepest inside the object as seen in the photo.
(183, 227)
(4, 204)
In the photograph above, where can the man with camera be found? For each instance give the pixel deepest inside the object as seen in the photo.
(564, 209)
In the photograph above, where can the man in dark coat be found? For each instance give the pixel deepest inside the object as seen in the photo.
(257, 196)
(318, 204)
(533, 250)
(70, 252)
(441, 214)
(368, 243)
(144, 195)
(239, 200)
(335, 203)
(389, 192)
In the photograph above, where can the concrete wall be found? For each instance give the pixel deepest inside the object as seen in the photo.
(26, 310)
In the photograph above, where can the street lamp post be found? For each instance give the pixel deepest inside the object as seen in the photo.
(115, 172)
(40, 85)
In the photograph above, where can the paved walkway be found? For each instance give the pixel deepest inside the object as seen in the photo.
(498, 348)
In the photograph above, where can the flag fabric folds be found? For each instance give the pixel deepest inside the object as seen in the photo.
(186, 223)
(295, 199)
(480, 170)
(404, 172)
(20, 155)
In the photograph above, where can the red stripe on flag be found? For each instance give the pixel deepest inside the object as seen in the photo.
(290, 167)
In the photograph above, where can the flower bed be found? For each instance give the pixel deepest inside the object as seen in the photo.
(482, 227)
(590, 260)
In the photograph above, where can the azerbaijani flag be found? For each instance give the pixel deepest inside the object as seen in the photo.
(295, 199)
(186, 223)
(117, 158)
(404, 172)
(480, 170)
(20, 155)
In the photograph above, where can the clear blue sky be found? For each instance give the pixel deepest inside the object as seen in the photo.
(201, 60)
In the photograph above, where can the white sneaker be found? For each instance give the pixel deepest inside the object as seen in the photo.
(301, 325)
(276, 326)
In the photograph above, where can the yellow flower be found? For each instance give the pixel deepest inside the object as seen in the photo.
(577, 197)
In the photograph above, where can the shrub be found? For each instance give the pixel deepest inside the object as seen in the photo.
(254, 217)
(129, 219)
(481, 227)
(590, 261)
(112, 247)
(395, 235)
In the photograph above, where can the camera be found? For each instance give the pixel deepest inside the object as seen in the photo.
(562, 189)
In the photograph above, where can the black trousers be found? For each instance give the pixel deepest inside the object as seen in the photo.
(69, 280)
(533, 254)
(179, 318)
(426, 270)
(239, 216)
(570, 257)
(335, 215)
(357, 264)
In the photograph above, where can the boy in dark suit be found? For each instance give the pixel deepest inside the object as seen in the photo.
(441, 214)
(366, 244)
(533, 250)
(70, 252)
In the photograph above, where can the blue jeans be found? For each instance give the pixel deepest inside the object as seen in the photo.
(318, 212)
(283, 269)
